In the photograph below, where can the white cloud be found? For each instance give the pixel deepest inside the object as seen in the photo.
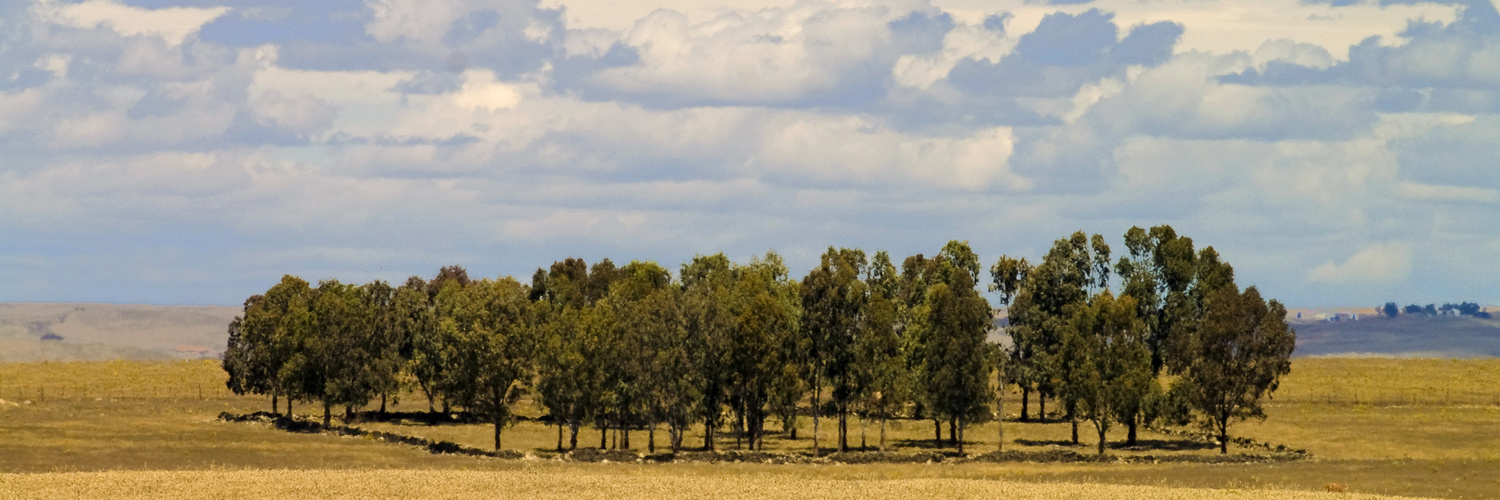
(1379, 264)
(1223, 26)
(1461, 194)
(172, 24)
(736, 121)
(299, 113)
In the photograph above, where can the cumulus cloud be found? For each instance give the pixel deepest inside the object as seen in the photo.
(378, 138)
(1379, 264)
(172, 24)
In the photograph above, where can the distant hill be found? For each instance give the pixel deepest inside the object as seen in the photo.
(90, 332)
(1402, 336)
(93, 332)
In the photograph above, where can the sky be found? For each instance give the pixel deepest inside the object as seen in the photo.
(1337, 153)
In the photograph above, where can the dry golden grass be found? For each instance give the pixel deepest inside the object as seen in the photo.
(139, 416)
(552, 482)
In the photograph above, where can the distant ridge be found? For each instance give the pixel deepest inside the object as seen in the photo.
(1403, 336)
(34, 331)
(95, 332)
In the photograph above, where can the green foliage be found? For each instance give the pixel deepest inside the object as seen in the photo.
(1042, 306)
(487, 325)
(1236, 357)
(626, 347)
(948, 330)
(880, 362)
(833, 302)
(1107, 361)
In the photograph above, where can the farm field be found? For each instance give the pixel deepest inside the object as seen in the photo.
(1408, 427)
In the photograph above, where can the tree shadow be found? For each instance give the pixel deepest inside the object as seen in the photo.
(1167, 445)
(1066, 443)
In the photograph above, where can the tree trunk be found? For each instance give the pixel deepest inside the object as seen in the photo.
(1000, 420)
(882, 433)
(1224, 436)
(604, 437)
(273, 403)
(382, 405)
(573, 435)
(792, 423)
(289, 413)
(1075, 431)
(960, 436)
(1130, 436)
(348, 414)
(843, 429)
(1025, 403)
(937, 432)
(953, 431)
(624, 434)
(862, 425)
(817, 403)
(1102, 429)
(708, 435)
(651, 439)
(559, 436)
(327, 414)
(1041, 406)
(497, 431)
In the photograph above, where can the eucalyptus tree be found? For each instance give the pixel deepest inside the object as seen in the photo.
(1109, 361)
(833, 301)
(951, 325)
(262, 341)
(386, 339)
(1040, 310)
(1235, 357)
(880, 359)
(707, 283)
(570, 371)
(765, 307)
(643, 317)
(343, 353)
(247, 353)
(493, 340)
(1006, 277)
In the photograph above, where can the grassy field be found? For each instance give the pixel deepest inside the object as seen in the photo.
(571, 483)
(1385, 426)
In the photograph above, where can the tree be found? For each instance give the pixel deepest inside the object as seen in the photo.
(832, 303)
(386, 340)
(1237, 356)
(570, 376)
(1040, 312)
(343, 353)
(568, 379)
(951, 323)
(880, 361)
(246, 356)
(642, 317)
(1108, 361)
(1006, 277)
(707, 283)
(261, 341)
(765, 307)
(416, 324)
(492, 340)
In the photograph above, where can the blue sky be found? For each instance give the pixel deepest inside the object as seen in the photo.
(1337, 153)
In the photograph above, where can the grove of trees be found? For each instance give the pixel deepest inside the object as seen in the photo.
(733, 346)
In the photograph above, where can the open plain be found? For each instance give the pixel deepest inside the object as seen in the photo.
(1407, 427)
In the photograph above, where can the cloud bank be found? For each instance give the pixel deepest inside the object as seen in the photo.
(191, 151)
